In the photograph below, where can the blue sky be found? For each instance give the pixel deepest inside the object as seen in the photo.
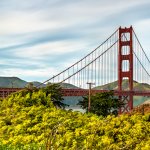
(39, 38)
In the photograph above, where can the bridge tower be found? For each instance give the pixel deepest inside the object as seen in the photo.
(125, 43)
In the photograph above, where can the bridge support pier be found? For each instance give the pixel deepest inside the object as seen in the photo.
(125, 43)
(127, 100)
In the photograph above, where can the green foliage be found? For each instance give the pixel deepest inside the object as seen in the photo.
(56, 94)
(30, 86)
(102, 104)
(29, 120)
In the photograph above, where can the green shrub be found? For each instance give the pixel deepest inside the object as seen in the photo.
(29, 120)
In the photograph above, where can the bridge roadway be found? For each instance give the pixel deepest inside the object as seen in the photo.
(4, 92)
(84, 92)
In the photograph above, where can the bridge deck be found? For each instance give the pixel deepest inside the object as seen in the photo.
(4, 92)
(82, 92)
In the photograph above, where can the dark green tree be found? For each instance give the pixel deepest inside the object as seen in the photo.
(30, 86)
(102, 103)
(54, 90)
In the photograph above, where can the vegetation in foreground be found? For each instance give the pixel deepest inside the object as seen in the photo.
(102, 104)
(29, 120)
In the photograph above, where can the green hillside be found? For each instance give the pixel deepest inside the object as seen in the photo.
(36, 83)
(10, 82)
(68, 86)
(137, 100)
(114, 86)
(15, 82)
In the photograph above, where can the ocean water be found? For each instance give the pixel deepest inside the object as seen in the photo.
(72, 101)
(139, 100)
(75, 108)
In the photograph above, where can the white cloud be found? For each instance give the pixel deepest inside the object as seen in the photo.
(44, 73)
(56, 17)
(87, 21)
(142, 30)
(24, 22)
(48, 49)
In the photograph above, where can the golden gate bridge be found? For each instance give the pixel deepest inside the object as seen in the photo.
(120, 57)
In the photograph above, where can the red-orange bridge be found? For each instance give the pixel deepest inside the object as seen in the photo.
(119, 58)
(4, 92)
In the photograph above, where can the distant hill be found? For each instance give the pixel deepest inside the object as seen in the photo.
(9, 82)
(114, 86)
(68, 86)
(14, 82)
(136, 86)
(36, 83)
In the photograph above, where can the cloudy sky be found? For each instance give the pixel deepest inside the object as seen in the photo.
(39, 38)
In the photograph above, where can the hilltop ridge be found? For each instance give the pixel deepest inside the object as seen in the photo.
(15, 82)
(114, 86)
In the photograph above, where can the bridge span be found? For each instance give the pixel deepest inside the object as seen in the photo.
(4, 92)
(120, 57)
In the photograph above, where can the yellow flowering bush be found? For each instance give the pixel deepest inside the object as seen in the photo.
(26, 122)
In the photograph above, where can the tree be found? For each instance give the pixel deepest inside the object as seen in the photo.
(102, 103)
(30, 86)
(54, 90)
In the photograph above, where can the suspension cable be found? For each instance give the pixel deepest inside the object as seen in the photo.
(79, 60)
(138, 58)
(141, 46)
(91, 61)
